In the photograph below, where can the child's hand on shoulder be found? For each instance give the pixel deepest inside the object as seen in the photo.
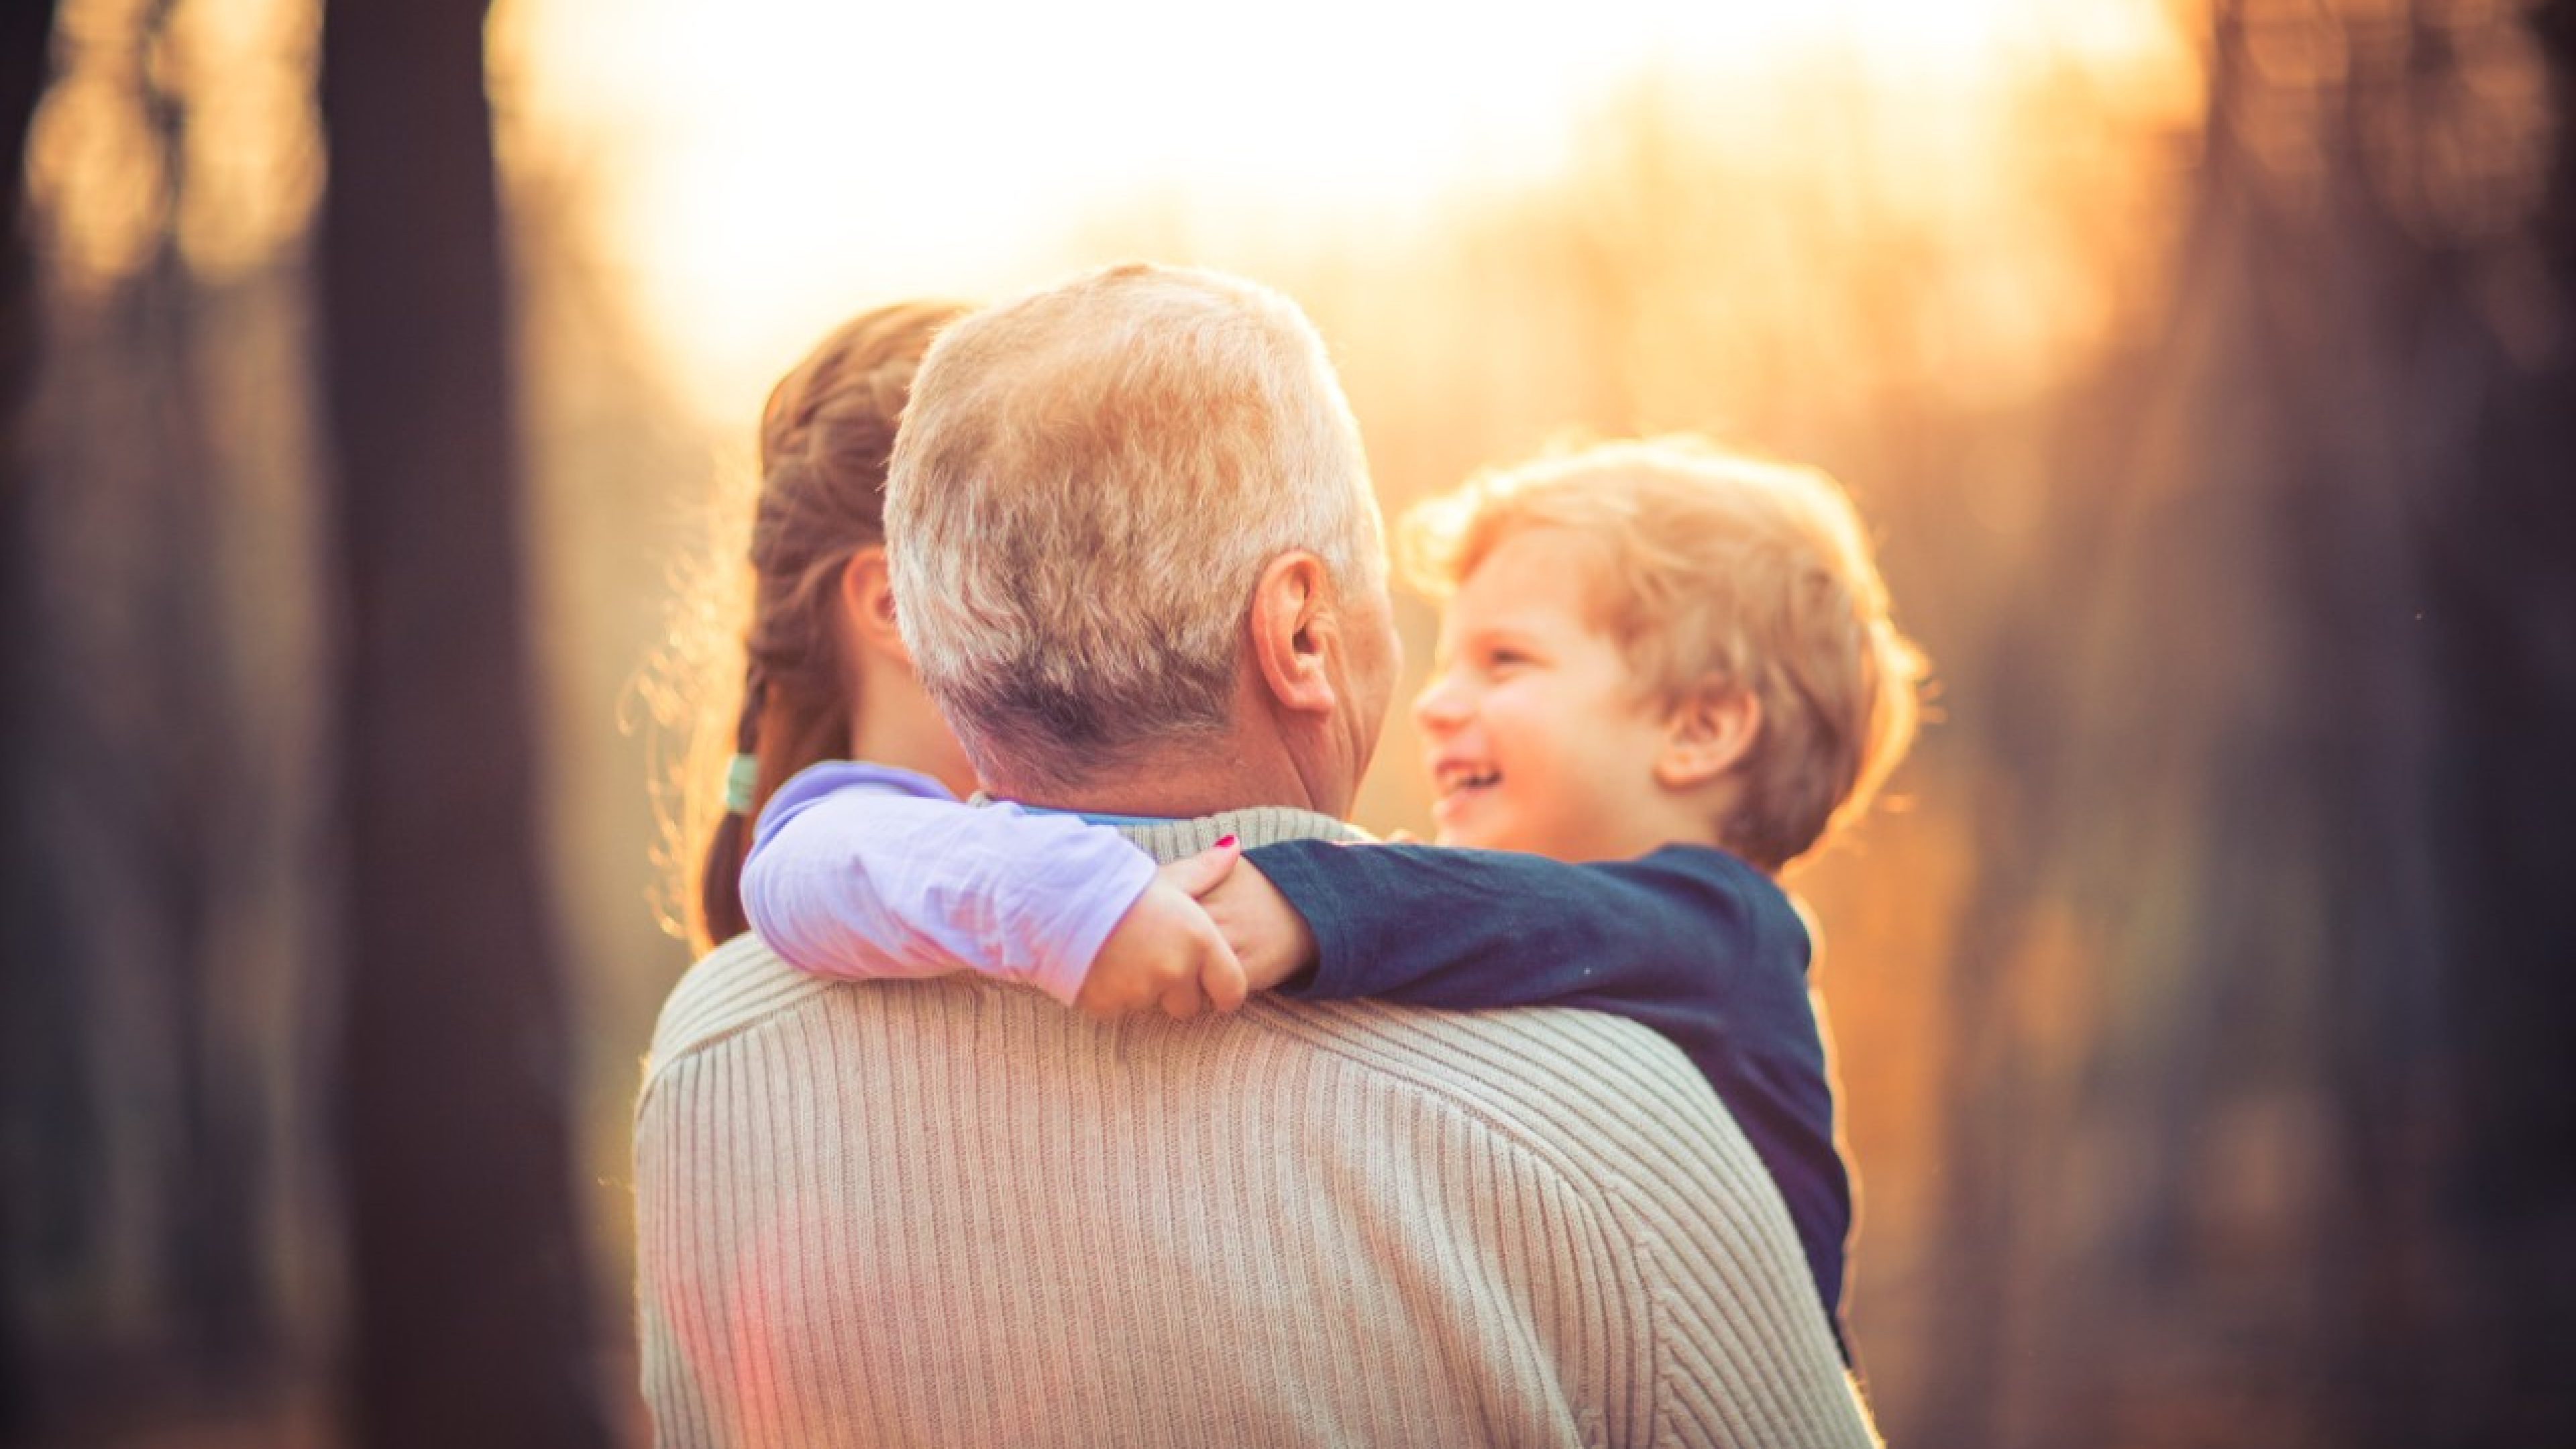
(1167, 951)
(1269, 937)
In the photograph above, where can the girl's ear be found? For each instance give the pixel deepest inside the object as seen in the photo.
(867, 605)
(1707, 734)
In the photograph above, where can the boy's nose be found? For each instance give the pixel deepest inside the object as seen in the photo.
(1441, 705)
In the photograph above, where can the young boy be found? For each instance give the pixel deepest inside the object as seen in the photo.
(1664, 674)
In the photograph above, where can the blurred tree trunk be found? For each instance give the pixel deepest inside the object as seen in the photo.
(2413, 324)
(2317, 798)
(134, 1072)
(24, 927)
(2496, 549)
(468, 1312)
(186, 816)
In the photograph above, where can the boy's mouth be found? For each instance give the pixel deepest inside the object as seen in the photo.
(1452, 779)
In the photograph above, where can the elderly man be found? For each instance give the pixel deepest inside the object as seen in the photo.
(1141, 572)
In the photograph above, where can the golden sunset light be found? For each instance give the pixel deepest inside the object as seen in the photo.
(1965, 729)
(749, 167)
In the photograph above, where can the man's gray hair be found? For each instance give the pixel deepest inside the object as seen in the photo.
(1085, 488)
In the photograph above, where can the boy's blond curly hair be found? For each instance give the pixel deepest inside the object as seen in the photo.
(1727, 572)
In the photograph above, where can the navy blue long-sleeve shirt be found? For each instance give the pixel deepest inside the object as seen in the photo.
(1690, 941)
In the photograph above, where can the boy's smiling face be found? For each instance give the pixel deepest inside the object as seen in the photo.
(1537, 734)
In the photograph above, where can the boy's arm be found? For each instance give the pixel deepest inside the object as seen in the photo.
(862, 871)
(1676, 939)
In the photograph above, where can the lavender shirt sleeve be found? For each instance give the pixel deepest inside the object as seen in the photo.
(863, 871)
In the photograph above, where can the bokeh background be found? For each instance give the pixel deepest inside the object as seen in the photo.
(379, 385)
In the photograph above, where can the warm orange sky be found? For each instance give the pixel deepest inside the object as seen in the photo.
(758, 166)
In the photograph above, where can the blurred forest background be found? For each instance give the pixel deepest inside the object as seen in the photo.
(2208, 370)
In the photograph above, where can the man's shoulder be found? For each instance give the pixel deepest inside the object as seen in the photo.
(1600, 1098)
(732, 989)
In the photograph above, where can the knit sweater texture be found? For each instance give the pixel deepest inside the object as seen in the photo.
(952, 1212)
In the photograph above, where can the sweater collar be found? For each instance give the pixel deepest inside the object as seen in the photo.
(1171, 840)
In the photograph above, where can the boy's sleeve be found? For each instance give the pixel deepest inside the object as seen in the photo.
(1677, 939)
(862, 871)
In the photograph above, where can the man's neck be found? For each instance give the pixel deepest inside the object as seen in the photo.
(1183, 781)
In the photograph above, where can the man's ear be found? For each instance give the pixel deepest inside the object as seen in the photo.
(1293, 632)
(867, 605)
(1707, 734)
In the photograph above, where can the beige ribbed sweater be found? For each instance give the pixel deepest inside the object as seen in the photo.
(954, 1213)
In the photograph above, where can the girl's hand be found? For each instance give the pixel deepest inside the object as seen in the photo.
(1267, 935)
(1167, 950)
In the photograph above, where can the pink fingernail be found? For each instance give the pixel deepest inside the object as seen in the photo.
(1225, 843)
